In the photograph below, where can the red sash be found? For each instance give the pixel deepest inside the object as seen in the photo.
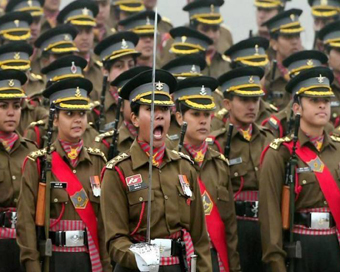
(215, 225)
(74, 189)
(326, 181)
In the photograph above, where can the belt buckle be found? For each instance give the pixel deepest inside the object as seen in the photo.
(255, 208)
(164, 247)
(74, 238)
(10, 219)
(320, 220)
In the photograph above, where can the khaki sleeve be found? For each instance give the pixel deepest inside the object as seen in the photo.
(198, 229)
(26, 229)
(231, 233)
(115, 212)
(271, 182)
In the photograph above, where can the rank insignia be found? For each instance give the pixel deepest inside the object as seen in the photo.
(80, 199)
(316, 165)
(207, 203)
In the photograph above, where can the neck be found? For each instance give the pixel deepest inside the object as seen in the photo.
(239, 124)
(312, 131)
(144, 61)
(6, 133)
(279, 58)
(50, 13)
(264, 34)
(85, 55)
(194, 142)
(68, 140)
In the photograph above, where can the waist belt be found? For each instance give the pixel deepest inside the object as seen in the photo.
(314, 220)
(247, 208)
(168, 247)
(69, 238)
(8, 219)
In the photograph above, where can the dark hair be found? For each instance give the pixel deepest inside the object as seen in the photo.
(109, 63)
(135, 108)
(228, 95)
(181, 107)
(296, 99)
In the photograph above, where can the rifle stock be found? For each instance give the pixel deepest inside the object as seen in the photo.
(113, 150)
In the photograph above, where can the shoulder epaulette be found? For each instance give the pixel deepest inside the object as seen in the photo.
(218, 91)
(272, 107)
(173, 137)
(224, 26)
(95, 151)
(273, 123)
(36, 76)
(37, 123)
(94, 104)
(30, 141)
(183, 156)
(219, 132)
(335, 137)
(99, 63)
(38, 153)
(221, 114)
(210, 140)
(115, 160)
(113, 30)
(100, 137)
(226, 58)
(167, 20)
(277, 142)
(223, 158)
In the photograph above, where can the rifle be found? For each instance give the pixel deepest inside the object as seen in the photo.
(113, 150)
(101, 120)
(250, 33)
(271, 83)
(227, 146)
(292, 248)
(42, 214)
(183, 131)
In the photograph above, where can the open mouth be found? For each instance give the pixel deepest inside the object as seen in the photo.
(158, 132)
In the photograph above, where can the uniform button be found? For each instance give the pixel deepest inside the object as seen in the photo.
(74, 171)
(304, 181)
(14, 177)
(335, 115)
(236, 174)
(256, 169)
(15, 200)
(166, 197)
(66, 202)
(325, 202)
(140, 199)
(160, 171)
(55, 200)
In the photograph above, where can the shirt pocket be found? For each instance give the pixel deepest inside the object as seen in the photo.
(223, 201)
(184, 203)
(136, 200)
(6, 190)
(310, 189)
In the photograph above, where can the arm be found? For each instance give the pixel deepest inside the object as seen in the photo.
(271, 183)
(26, 229)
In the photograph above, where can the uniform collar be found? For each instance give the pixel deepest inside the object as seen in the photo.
(304, 140)
(124, 133)
(255, 132)
(83, 155)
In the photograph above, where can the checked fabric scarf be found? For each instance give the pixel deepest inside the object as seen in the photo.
(158, 153)
(197, 152)
(72, 150)
(8, 140)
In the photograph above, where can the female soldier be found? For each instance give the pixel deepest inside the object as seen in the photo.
(75, 189)
(177, 211)
(13, 150)
(195, 105)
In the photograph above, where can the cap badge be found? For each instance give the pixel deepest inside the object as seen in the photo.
(17, 22)
(251, 80)
(67, 37)
(124, 44)
(11, 82)
(29, 3)
(159, 86)
(73, 68)
(310, 62)
(148, 21)
(184, 38)
(193, 70)
(256, 49)
(85, 11)
(17, 56)
(321, 79)
(292, 17)
(212, 9)
(78, 94)
(324, 2)
(203, 91)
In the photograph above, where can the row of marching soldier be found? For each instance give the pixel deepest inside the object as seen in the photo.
(241, 141)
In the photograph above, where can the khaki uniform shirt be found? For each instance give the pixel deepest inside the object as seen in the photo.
(91, 162)
(10, 170)
(93, 72)
(335, 103)
(225, 41)
(271, 183)
(30, 113)
(244, 156)
(171, 210)
(35, 84)
(125, 140)
(37, 132)
(218, 66)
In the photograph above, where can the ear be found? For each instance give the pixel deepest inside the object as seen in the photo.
(179, 118)
(134, 119)
(227, 104)
(297, 108)
(56, 121)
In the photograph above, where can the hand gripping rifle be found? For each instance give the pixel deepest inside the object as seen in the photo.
(101, 120)
(181, 139)
(113, 150)
(227, 146)
(292, 248)
(42, 214)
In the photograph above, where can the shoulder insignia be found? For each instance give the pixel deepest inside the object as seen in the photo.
(36, 76)
(277, 142)
(209, 140)
(221, 114)
(223, 158)
(99, 63)
(115, 160)
(113, 30)
(100, 137)
(225, 58)
(272, 107)
(95, 151)
(183, 156)
(173, 137)
(94, 104)
(38, 153)
(272, 122)
(335, 138)
(224, 26)
(37, 123)
(218, 91)
(167, 20)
